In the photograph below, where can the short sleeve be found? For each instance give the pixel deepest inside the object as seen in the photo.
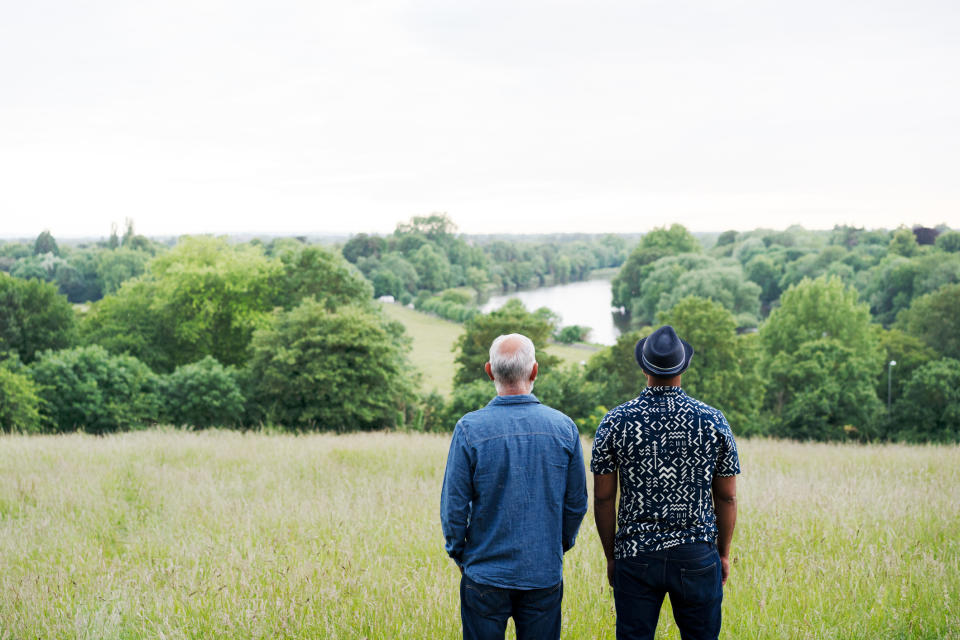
(728, 461)
(603, 458)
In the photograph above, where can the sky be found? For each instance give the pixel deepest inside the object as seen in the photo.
(311, 116)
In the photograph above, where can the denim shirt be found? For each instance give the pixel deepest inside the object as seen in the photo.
(514, 493)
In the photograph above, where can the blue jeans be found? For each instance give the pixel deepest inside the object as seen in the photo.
(690, 573)
(484, 611)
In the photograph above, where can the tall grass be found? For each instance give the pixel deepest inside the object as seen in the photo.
(229, 535)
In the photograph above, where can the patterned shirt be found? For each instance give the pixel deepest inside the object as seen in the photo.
(667, 447)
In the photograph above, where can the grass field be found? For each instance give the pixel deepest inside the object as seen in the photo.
(170, 534)
(433, 339)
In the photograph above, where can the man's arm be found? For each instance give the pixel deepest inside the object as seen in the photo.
(575, 499)
(455, 497)
(605, 514)
(725, 506)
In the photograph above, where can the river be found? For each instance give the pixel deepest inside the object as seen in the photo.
(586, 303)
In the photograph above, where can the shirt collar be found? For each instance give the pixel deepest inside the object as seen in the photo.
(663, 391)
(518, 399)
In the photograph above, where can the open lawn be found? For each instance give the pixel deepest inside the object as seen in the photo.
(433, 339)
(171, 534)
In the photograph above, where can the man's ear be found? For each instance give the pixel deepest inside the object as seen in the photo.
(533, 372)
(489, 371)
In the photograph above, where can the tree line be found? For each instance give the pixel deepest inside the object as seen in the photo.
(794, 330)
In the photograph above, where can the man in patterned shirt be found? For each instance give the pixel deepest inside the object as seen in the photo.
(677, 464)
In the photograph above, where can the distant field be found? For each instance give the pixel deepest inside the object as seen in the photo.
(433, 340)
(170, 534)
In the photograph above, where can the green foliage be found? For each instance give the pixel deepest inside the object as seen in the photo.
(929, 409)
(312, 271)
(33, 317)
(88, 388)
(824, 391)
(45, 244)
(19, 402)
(313, 368)
(935, 319)
(568, 390)
(908, 351)
(659, 243)
(119, 265)
(204, 297)
(815, 309)
(466, 398)
(766, 273)
(572, 333)
(615, 370)
(363, 246)
(949, 241)
(473, 345)
(903, 243)
(724, 370)
(202, 394)
(446, 307)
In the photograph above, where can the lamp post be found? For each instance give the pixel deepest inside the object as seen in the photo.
(890, 367)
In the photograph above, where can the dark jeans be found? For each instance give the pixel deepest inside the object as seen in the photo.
(690, 573)
(484, 611)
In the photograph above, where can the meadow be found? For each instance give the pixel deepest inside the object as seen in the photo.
(221, 534)
(432, 349)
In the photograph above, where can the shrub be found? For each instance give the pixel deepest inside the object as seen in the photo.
(88, 388)
(33, 317)
(344, 369)
(572, 333)
(929, 409)
(202, 394)
(19, 403)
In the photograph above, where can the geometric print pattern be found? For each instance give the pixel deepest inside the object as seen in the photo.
(667, 447)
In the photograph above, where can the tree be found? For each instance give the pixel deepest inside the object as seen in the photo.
(815, 309)
(822, 357)
(935, 319)
(724, 370)
(568, 390)
(117, 266)
(949, 241)
(659, 243)
(45, 244)
(202, 394)
(766, 273)
(315, 272)
(363, 246)
(908, 351)
(723, 284)
(473, 345)
(19, 402)
(929, 409)
(313, 368)
(432, 266)
(616, 372)
(33, 317)
(204, 297)
(903, 243)
(660, 279)
(87, 388)
(824, 391)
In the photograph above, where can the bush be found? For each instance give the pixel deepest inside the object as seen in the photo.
(466, 398)
(33, 317)
(929, 409)
(568, 390)
(19, 403)
(88, 388)
(342, 370)
(202, 394)
(572, 333)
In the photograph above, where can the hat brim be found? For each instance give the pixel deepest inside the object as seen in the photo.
(687, 357)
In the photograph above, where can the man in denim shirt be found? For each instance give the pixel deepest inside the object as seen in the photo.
(514, 494)
(677, 464)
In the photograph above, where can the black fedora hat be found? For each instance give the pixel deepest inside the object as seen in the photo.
(663, 353)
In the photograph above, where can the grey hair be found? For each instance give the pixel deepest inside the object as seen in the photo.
(512, 368)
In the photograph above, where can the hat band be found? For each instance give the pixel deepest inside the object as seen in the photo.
(656, 369)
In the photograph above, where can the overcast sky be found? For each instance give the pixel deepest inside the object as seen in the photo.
(603, 116)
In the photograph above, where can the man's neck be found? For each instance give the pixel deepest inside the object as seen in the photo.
(663, 382)
(513, 391)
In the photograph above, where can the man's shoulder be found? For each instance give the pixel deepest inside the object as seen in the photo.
(707, 411)
(497, 416)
